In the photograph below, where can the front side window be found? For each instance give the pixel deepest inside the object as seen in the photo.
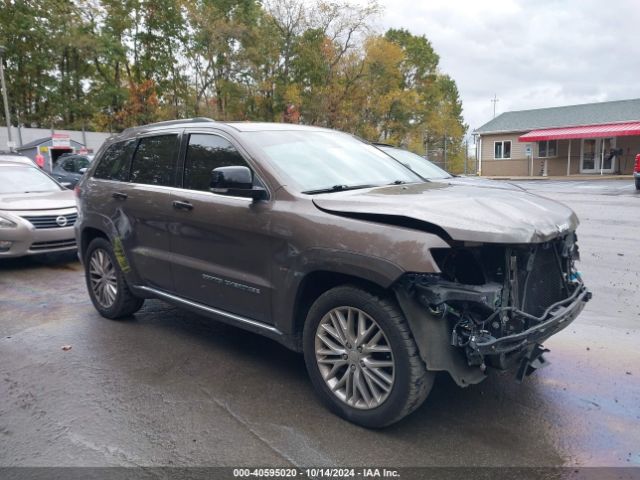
(205, 153)
(114, 163)
(502, 150)
(81, 162)
(154, 162)
(547, 148)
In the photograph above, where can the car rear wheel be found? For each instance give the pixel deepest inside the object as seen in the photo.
(362, 359)
(106, 284)
(637, 184)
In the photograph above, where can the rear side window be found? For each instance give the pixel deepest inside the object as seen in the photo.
(206, 152)
(114, 164)
(154, 162)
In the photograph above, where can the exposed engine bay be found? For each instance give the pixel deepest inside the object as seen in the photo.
(501, 302)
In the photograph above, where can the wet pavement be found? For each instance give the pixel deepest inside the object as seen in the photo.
(172, 388)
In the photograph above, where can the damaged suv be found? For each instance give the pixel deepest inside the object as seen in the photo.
(331, 247)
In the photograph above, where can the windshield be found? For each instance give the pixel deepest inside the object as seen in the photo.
(332, 161)
(25, 180)
(421, 166)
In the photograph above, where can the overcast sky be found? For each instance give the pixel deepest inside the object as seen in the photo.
(531, 54)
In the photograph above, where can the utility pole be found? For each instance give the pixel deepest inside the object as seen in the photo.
(444, 140)
(5, 97)
(466, 155)
(494, 100)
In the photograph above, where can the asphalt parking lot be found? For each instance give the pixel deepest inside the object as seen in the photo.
(172, 388)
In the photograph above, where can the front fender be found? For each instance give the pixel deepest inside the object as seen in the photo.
(379, 271)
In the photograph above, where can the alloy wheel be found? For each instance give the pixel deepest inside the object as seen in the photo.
(102, 275)
(354, 357)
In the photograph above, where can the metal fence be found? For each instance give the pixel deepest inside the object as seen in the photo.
(442, 157)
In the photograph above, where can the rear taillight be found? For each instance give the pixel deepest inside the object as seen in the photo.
(77, 191)
(636, 169)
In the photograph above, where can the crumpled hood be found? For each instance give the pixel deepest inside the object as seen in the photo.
(37, 200)
(480, 182)
(465, 213)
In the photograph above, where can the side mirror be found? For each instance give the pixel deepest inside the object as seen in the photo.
(235, 182)
(82, 170)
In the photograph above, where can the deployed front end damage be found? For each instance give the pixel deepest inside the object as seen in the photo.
(493, 305)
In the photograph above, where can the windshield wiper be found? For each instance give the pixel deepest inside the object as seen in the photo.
(338, 188)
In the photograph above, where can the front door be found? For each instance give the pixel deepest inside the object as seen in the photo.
(221, 244)
(596, 155)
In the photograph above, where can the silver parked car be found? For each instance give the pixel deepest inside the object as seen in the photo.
(36, 213)
(15, 158)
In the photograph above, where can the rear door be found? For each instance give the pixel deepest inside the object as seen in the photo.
(148, 208)
(222, 246)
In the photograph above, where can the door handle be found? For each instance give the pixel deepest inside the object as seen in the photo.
(180, 205)
(119, 195)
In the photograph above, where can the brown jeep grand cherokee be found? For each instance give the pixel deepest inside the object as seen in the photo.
(331, 247)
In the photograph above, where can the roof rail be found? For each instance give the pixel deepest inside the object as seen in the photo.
(171, 122)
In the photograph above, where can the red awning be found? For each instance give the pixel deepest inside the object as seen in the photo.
(590, 131)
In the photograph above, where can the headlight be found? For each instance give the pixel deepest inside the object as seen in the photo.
(6, 223)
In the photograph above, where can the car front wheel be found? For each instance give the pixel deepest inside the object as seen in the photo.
(106, 284)
(362, 359)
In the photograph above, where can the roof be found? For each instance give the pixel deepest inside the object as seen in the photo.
(207, 122)
(591, 131)
(570, 116)
(34, 143)
(39, 141)
(25, 135)
(271, 126)
(167, 123)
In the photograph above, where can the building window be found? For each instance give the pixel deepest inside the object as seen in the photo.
(547, 148)
(502, 150)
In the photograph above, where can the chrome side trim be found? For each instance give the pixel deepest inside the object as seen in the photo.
(215, 311)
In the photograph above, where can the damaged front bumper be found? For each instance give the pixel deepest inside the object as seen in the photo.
(555, 318)
(440, 311)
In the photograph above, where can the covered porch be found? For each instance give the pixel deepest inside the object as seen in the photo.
(596, 149)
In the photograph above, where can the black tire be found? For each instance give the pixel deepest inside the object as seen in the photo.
(637, 184)
(412, 381)
(125, 303)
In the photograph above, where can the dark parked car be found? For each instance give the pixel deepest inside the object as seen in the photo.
(36, 213)
(326, 244)
(69, 169)
(430, 171)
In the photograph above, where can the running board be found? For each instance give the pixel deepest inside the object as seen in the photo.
(235, 319)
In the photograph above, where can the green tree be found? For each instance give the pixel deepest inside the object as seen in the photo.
(110, 64)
